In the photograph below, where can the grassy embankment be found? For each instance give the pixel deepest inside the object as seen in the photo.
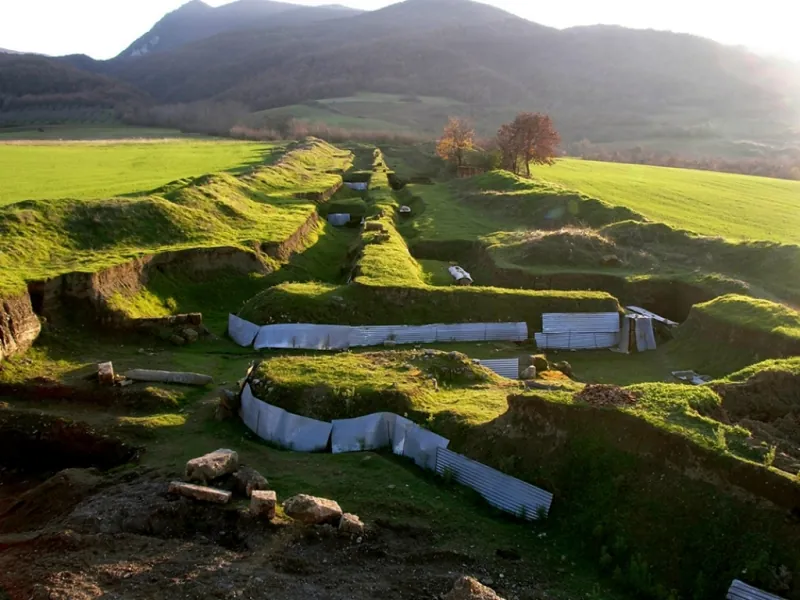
(91, 169)
(537, 228)
(45, 238)
(389, 286)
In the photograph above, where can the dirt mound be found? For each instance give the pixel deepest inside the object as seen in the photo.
(50, 500)
(606, 395)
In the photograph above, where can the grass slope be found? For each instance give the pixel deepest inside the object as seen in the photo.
(738, 207)
(84, 170)
(41, 239)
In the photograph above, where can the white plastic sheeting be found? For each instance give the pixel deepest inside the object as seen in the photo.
(309, 336)
(242, 332)
(283, 428)
(360, 186)
(460, 274)
(498, 489)
(505, 367)
(741, 591)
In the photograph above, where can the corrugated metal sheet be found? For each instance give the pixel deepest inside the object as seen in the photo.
(741, 591)
(357, 185)
(500, 490)
(577, 341)
(399, 428)
(304, 336)
(624, 337)
(580, 322)
(421, 445)
(646, 313)
(242, 332)
(338, 219)
(505, 367)
(645, 336)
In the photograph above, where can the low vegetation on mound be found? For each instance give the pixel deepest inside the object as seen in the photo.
(102, 169)
(737, 207)
(44, 238)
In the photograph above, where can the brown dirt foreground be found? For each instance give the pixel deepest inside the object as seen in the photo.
(81, 536)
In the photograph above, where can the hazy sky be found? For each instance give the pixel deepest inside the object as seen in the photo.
(103, 28)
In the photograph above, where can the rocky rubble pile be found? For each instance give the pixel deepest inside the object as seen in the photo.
(606, 395)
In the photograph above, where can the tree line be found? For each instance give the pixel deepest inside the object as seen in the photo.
(531, 138)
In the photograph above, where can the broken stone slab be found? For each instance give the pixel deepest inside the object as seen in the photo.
(176, 340)
(105, 373)
(469, 588)
(247, 480)
(312, 510)
(529, 373)
(190, 335)
(351, 525)
(540, 362)
(199, 492)
(212, 466)
(169, 377)
(263, 503)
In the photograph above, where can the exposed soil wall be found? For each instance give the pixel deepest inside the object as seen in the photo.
(19, 325)
(645, 500)
(296, 242)
(666, 297)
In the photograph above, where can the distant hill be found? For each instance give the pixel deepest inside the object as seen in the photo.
(604, 84)
(7, 51)
(36, 88)
(196, 21)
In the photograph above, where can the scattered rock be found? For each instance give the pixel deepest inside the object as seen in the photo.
(247, 480)
(229, 399)
(564, 367)
(311, 510)
(190, 335)
(199, 492)
(211, 466)
(612, 260)
(105, 373)
(351, 525)
(262, 503)
(538, 385)
(469, 588)
(540, 362)
(195, 319)
(176, 340)
(529, 373)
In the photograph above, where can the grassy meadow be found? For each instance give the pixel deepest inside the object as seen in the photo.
(737, 207)
(101, 169)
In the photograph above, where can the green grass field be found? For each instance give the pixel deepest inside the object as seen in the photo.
(88, 132)
(738, 207)
(103, 169)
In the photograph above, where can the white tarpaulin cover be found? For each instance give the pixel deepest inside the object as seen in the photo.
(242, 332)
(421, 445)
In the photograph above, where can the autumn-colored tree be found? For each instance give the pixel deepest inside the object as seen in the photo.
(457, 139)
(529, 138)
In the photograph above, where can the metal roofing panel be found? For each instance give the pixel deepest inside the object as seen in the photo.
(339, 219)
(305, 336)
(577, 341)
(646, 313)
(741, 591)
(580, 322)
(242, 332)
(399, 427)
(500, 490)
(505, 367)
(645, 336)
